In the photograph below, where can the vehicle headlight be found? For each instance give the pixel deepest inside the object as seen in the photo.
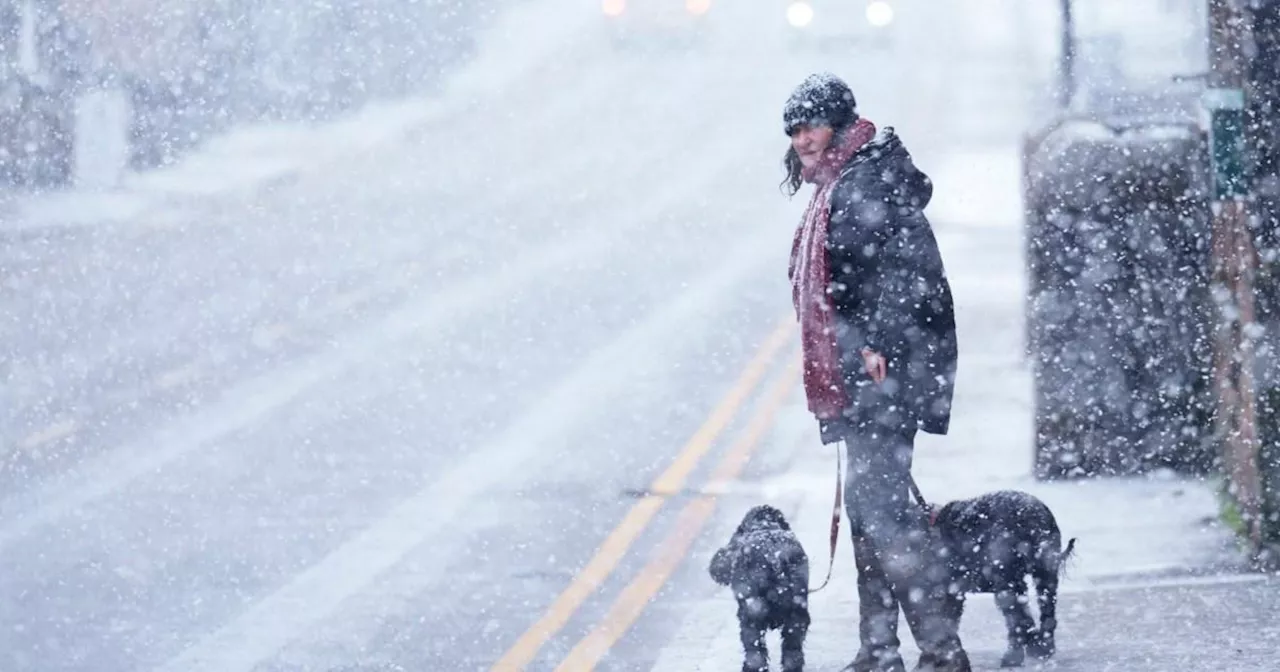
(697, 7)
(613, 7)
(879, 13)
(799, 14)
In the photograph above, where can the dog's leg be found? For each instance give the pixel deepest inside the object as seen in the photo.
(1012, 602)
(793, 634)
(755, 653)
(1042, 644)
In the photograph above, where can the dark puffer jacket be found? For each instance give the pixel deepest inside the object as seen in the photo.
(890, 292)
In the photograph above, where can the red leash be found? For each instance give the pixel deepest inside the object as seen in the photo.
(835, 519)
(836, 507)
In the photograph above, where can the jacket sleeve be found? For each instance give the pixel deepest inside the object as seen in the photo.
(854, 242)
(875, 221)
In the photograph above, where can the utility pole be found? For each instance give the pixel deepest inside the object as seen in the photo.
(1067, 56)
(1234, 261)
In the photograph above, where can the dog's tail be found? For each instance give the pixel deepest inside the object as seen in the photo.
(1064, 556)
(1050, 563)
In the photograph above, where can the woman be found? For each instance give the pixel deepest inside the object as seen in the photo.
(878, 337)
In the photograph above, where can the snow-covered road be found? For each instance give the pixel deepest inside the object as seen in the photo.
(386, 408)
(391, 404)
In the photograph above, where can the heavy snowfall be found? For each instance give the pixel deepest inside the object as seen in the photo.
(431, 335)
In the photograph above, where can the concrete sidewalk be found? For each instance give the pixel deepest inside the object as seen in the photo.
(1125, 605)
(1221, 624)
(1154, 586)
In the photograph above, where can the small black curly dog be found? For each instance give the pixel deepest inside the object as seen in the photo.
(768, 570)
(993, 543)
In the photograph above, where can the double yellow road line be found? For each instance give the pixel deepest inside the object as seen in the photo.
(693, 516)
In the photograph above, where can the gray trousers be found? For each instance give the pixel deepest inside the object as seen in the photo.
(898, 559)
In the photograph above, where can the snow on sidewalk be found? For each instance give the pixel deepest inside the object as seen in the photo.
(1128, 529)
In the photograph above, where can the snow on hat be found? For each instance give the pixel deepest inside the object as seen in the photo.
(822, 99)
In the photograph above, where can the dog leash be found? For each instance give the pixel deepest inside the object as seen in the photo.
(915, 491)
(924, 503)
(836, 507)
(835, 519)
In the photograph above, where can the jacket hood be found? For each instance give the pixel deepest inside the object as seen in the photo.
(889, 156)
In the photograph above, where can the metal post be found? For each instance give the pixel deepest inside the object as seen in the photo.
(1067, 56)
(1234, 261)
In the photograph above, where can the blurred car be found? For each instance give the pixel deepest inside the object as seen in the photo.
(656, 23)
(837, 24)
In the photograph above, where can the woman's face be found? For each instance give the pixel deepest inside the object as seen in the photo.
(810, 142)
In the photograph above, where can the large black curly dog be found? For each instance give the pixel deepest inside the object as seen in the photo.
(768, 570)
(993, 543)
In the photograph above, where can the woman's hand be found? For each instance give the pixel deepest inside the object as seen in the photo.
(875, 364)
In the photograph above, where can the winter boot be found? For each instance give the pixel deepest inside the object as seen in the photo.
(865, 661)
(956, 661)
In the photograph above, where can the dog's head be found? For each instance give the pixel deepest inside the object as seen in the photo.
(947, 516)
(762, 527)
(956, 527)
(763, 517)
(959, 519)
